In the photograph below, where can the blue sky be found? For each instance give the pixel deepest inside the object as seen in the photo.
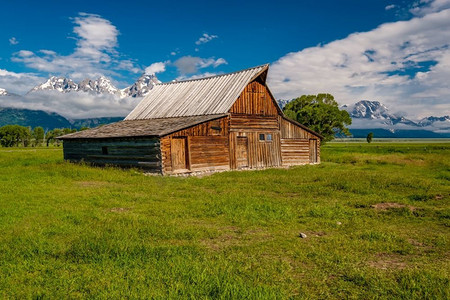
(373, 49)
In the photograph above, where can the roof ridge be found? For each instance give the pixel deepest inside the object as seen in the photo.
(209, 77)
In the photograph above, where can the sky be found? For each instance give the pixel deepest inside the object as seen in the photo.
(395, 52)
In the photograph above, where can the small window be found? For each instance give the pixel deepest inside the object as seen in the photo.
(268, 137)
(262, 137)
(104, 150)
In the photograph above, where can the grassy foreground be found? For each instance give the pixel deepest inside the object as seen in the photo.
(75, 231)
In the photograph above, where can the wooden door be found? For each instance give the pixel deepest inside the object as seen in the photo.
(242, 152)
(179, 153)
(312, 151)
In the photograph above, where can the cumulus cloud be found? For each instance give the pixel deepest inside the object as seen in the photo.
(18, 83)
(95, 53)
(191, 64)
(157, 67)
(205, 38)
(74, 104)
(405, 65)
(424, 7)
(13, 41)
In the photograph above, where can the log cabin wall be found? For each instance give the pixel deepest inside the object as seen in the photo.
(207, 147)
(144, 153)
(297, 143)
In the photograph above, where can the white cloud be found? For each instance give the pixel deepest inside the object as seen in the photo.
(95, 54)
(18, 83)
(424, 7)
(157, 67)
(191, 64)
(13, 41)
(389, 7)
(205, 38)
(405, 65)
(74, 104)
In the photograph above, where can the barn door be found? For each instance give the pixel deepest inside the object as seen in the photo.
(179, 153)
(242, 152)
(312, 151)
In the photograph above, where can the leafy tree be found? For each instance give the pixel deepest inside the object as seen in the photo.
(14, 135)
(53, 134)
(321, 113)
(38, 135)
(369, 137)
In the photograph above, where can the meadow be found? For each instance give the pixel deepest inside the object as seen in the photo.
(376, 219)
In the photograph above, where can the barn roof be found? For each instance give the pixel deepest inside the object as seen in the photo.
(204, 96)
(141, 128)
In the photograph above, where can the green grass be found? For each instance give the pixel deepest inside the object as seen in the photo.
(75, 231)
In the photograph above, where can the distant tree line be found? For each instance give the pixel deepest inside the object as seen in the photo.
(21, 136)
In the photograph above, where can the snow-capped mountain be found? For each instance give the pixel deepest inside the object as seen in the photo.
(141, 87)
(60, 84)
(445, 120)
(4, 92)
(101, 85)
(373, 116)
(374, 110)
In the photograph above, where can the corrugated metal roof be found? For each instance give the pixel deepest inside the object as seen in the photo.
(140, 128)
(205, 96)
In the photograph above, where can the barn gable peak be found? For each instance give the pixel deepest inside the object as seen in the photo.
(195, 97)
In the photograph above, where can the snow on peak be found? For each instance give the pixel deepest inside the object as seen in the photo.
(142, 86)
(60, 84)
(101, 85)
(3, 92)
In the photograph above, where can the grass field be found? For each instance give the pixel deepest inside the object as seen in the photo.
(377, 220)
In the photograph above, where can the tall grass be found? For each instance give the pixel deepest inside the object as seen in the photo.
(75, 231)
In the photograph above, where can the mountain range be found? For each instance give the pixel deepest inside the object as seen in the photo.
(101, 85)
(373, 116)
(367, 116)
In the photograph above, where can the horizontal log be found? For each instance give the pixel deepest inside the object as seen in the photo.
(126, 157)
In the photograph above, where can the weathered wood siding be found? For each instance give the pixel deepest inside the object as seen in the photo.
(295, 144)
(138, 152)
(260, 153)
(255, 100)
(207, 147)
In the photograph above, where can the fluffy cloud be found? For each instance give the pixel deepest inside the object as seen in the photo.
(205, 38)
(13, 41)
(95, 54)
(18, 83)
(405, 65)
(74, 104)
(191, 64)
(157, 67)
(424, 7)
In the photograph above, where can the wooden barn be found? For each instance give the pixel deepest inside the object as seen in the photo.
(223, 122)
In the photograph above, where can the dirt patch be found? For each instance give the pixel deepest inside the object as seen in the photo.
(391, 205)
(385, 261)
(119, 209)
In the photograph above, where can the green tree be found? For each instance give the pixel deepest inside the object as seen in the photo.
(321, 113)
(38, 135)
(369, 137)
(14, 135)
